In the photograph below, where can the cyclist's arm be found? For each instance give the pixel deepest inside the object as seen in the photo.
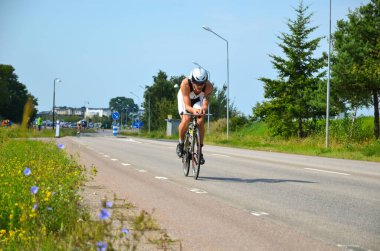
(207, 96)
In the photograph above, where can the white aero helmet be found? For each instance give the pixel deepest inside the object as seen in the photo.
(199, 76)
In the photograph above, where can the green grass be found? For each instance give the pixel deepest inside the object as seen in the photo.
(17, 132)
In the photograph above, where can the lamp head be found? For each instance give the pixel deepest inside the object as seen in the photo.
(207, 28)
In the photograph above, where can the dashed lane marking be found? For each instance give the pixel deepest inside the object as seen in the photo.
(105, 155)
(197, 190)
(141, 170)
(161, 178)
(131, 140)
(325, 171)
(125, 164)
(114, 159)
(255, 213)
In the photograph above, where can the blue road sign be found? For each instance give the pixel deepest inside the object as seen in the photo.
(115, 115)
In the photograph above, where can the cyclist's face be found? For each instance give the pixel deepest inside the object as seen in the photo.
(198, 88)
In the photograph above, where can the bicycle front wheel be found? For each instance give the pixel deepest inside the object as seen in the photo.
(196, 153)
(185, 156)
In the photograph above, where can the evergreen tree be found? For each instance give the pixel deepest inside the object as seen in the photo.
(356, 60)
(292, 98)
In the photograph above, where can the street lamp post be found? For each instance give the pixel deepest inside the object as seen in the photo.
(138, 112)
(208, 103)
(56, 80)
(328, 87)
(148, 107)
(228, 74)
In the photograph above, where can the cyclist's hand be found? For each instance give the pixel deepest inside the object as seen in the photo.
(199, 111)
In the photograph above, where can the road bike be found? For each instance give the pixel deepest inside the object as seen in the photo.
(192, 147)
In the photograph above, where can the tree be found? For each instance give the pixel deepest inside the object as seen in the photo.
(163, 100)
(218, 104)
(356, 59)
(123, 106)
(292, 98)
(14, 95)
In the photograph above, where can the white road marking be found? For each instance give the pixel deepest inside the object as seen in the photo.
(325, 171)
(105, 155)
(351, 247)
(161, 178)
(114, 159)
(197, 190)
(125, 164)
(258, 213)
(220, 155)
(141, 170)
(132, 140)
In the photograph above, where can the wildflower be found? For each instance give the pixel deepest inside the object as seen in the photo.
(104, 214)
(61, 146)
(109, 204)
(2, 232)
(49, 209)
(34, 189)
(27, 171)
(125, 231)
(35, 207)
(101, 246)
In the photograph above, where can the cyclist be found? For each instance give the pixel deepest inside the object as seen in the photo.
(193, 97)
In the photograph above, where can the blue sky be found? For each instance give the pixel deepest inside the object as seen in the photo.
(102, 49)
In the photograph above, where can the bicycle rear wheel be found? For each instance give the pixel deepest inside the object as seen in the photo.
(185, 156)
(196, 153)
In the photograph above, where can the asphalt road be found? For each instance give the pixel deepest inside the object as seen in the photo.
(243, 200)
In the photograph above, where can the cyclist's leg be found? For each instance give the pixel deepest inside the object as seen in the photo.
(201, 127)
(182, 127)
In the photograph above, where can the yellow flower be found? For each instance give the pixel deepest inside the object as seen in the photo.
(3, 231)
(10, 216)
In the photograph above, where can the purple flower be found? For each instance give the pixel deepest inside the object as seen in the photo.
(27, 171)
(61, 146)
(101, 246)
(125, 231)
(35, 207)
(104, 214)
(109, 204)
(34, 189)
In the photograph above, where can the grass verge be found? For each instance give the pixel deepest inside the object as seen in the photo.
(41, 209)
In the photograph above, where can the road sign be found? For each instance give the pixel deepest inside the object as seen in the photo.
(115, 115)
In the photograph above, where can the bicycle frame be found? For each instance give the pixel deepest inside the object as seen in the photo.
(192, 147)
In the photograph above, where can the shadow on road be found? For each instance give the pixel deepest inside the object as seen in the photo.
(253, 180)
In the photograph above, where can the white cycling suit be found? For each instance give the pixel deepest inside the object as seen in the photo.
(195, 99)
